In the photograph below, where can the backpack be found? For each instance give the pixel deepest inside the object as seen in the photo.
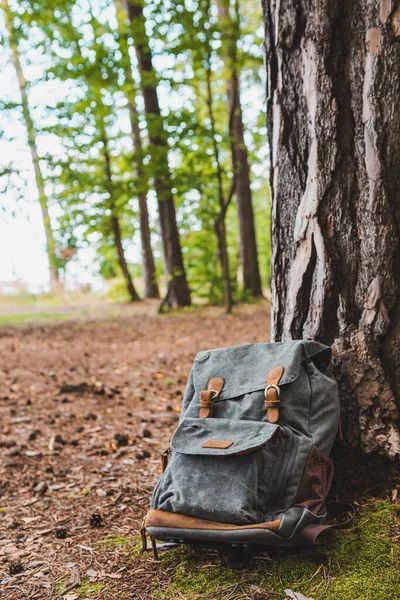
(249, 462)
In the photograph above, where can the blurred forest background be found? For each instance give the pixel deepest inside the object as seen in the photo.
(144, 126)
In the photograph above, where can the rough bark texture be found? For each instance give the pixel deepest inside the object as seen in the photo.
(22, 83)
(240, 163)
(178, 289)
(148, 265)
(334, 129)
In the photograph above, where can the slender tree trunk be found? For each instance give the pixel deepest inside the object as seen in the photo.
(219, 223)
(116, 228)
(50, 244)
(240, 164)
(178, 289)
(134, 296)
(149, 269)
(334, 128)
(220, 232)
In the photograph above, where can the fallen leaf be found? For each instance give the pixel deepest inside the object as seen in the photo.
(91, 573)
(88, 548)
(71, 597)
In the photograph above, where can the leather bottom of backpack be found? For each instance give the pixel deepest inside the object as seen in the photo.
(163, 525)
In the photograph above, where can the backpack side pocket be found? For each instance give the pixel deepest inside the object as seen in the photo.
(315, 482)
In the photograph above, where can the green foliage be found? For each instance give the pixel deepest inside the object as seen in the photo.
(88, 157)
(117, 291)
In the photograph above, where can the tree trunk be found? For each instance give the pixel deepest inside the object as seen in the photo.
(219, 222)
(149, 269)
(116, 228)
(333, 98)
(240, 164)
(134, 296)
(220, 232)
(179, 293)
(50, 244)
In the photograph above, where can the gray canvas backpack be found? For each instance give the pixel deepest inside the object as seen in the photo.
(249, 462)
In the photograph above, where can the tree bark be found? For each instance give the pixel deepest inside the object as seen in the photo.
(178, 289)
(149, 269)
(43, 201)
(116, 227)
(332, 99)
(248, 247)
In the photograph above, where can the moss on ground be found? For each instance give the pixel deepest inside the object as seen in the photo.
(113, 541)
(89, 589)
(362, 563)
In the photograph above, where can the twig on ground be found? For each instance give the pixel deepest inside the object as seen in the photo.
(75, 581)
(327, 577)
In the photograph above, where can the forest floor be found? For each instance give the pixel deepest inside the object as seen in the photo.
(86, 407)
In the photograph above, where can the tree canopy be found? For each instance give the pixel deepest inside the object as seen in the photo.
(98, 159)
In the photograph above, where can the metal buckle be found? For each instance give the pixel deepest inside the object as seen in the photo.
(276, 388)
(213, 394)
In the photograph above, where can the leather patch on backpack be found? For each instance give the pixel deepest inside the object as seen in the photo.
(220, 444)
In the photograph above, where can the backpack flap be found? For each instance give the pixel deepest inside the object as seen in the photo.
(220, 437)
(244, 368)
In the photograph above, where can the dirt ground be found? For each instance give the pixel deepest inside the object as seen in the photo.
(85, 410)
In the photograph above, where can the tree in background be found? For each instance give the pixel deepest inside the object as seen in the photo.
(92, 186)
(149, 269)
(94, 114)
(230, 33)
(333, 94)
(30, 128)
(223, 203)
(178, 293)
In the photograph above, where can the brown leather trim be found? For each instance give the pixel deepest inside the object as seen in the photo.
(221, 444)
(162, 518)
(214, 387)
(272, 401)
(216, 384)
(206, 404)
(272, 404)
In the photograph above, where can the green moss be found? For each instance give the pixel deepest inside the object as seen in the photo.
(112, 541)
(89, 588)
(189, 575)
(363, 563)
(366, 560)
(86, 589)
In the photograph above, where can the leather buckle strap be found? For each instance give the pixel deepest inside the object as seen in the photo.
(207, 397)
(272, 393)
